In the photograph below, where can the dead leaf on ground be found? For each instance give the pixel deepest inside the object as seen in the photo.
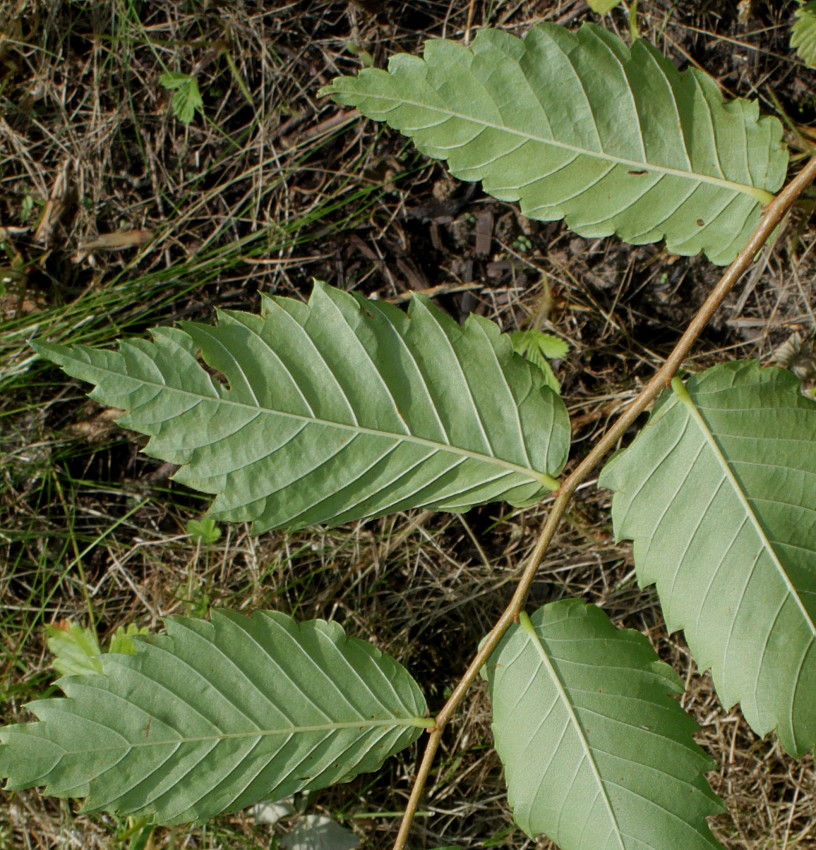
(59, 203)
(117, 241)
(9, 232)
(96, 429)
(13, 305)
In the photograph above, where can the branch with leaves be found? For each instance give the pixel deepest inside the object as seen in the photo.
(659, 382)
(342, 409)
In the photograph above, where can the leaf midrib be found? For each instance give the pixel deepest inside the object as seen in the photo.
(527, 625)
(541, 477)
(395, 723)
(758, 194)
(683, 395)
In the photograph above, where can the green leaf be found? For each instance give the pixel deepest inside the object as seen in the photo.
(186, 97)
(122, 639)
(537, 346)
(204, 530)
(718, 493)
(173, 80)
(603, 6)
(803, 33)
(595, 751)
(336, 409)
(581, 127)
(550, 346)
(212, 717)
(75, 648)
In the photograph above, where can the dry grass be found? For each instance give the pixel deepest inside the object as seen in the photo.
(266, 188)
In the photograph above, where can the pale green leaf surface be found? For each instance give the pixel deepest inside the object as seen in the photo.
(550, 346)
(603, 6)
(803, 33)
(213, 717)
(173, 80)
(597, 754)
(718, 493)
(74, 647)
(186, 95)
(581, 127)
(537, 346)
(203, 531)
(336, 409)
(186, 101)
(122, 639)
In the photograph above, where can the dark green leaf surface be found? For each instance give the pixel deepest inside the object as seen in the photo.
(335, 410)
(596, 753)
(581, 127)
(214, 717)
(718, 494)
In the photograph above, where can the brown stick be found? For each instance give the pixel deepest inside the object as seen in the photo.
(772, 216)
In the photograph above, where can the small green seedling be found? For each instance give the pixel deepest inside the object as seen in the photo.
(186, 99)
(204, 531)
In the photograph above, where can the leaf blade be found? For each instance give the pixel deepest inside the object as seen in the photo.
(566, 675)
(578, 126)
(75, 648)
(194, 724)
(537, 347)
(186, 99)
(803, 33)
(721, 479)
(395, 410)
(603, 6)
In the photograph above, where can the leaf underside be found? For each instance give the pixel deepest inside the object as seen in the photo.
(718, 493)
(803, 33)
(581, 127)
(597, 755)
(213, 717)
(335, 410)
